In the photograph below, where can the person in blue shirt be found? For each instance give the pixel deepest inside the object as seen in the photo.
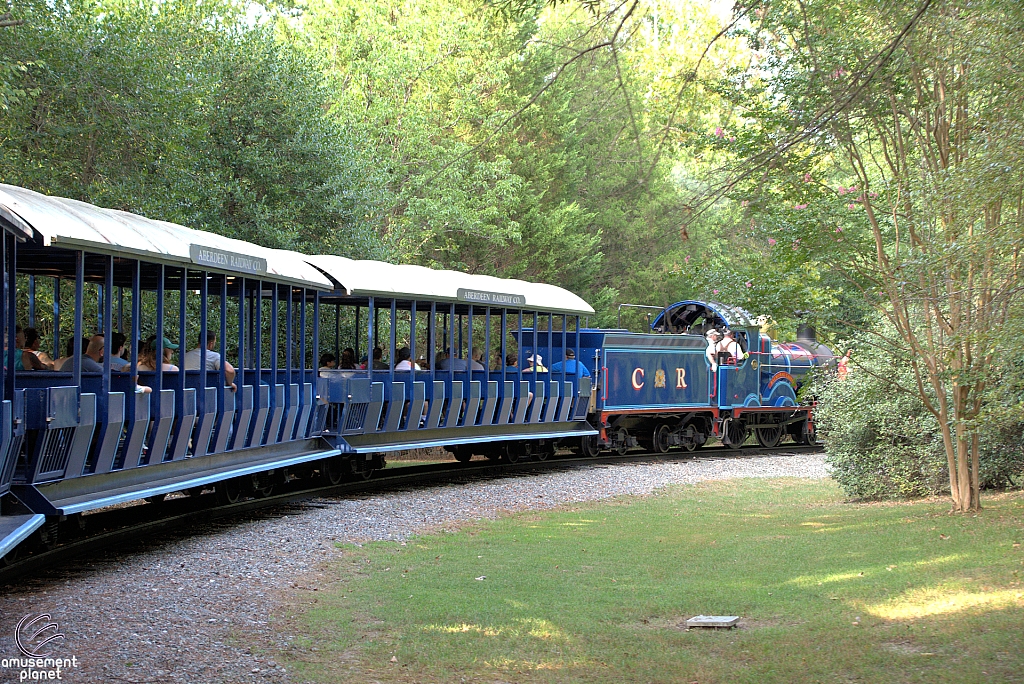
(572, 366)
(117, 342)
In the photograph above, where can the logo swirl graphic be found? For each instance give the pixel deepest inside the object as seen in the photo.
(34, 633)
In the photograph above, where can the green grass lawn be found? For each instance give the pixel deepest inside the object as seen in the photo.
(828, 591)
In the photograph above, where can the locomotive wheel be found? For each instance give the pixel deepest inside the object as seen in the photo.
(544, 452)
(734, 432)
(801, 435)
(230, 491)
(690, 439)
(769, 437)
(659, 439)
(511, 453)
(462, 454)
(589, 447)
(332, 470)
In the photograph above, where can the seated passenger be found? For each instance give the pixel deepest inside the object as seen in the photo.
(348, 359)
(535, 364)
(713, 336)
(328, 361)
(477, 362)
(378, 359)
(27, 343)
(69, 352)
(117, 361)
(512, 362)
(90, 359)
(147, 357)
(572, 367)
(192, 359)
(448, 363)
(404, 360)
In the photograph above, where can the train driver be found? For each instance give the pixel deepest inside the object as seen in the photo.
(729, 350)
(713, 336)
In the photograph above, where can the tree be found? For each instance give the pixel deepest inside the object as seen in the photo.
(889, 144)
(185, 112)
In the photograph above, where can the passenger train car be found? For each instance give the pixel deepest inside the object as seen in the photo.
(91, 435)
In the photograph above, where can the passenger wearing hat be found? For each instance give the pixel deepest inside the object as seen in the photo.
(147, 356)
(713, 337)
(572, 366)
(535, 364)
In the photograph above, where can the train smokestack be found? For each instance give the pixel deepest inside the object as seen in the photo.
(805, 332)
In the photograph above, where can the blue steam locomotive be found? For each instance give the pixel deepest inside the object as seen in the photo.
(311, 366)
(662, 389)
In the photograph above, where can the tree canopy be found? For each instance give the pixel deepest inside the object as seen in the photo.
(854, 163)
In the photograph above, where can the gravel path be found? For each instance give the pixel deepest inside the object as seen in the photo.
(186, 609)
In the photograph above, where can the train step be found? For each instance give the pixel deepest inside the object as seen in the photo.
(15, 528)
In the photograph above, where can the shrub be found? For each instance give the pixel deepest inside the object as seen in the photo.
(881, 441)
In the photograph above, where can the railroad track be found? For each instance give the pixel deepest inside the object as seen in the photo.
(79, 535)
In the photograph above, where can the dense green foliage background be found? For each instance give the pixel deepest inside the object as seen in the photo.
(646, 152)
(449, 134)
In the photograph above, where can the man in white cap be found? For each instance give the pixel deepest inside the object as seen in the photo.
(713, 337)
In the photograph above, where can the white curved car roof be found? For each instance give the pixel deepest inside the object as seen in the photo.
(370, 278)
(78, 225)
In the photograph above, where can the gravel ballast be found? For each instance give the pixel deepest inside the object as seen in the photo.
(196, 608)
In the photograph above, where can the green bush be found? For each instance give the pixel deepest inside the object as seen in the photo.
(882, 443)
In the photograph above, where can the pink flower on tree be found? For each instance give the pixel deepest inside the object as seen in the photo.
(798, 207)
(686, 259)
(771, 242)
(749, 284)
(807, 178)
(719, 133)
(714, 292)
